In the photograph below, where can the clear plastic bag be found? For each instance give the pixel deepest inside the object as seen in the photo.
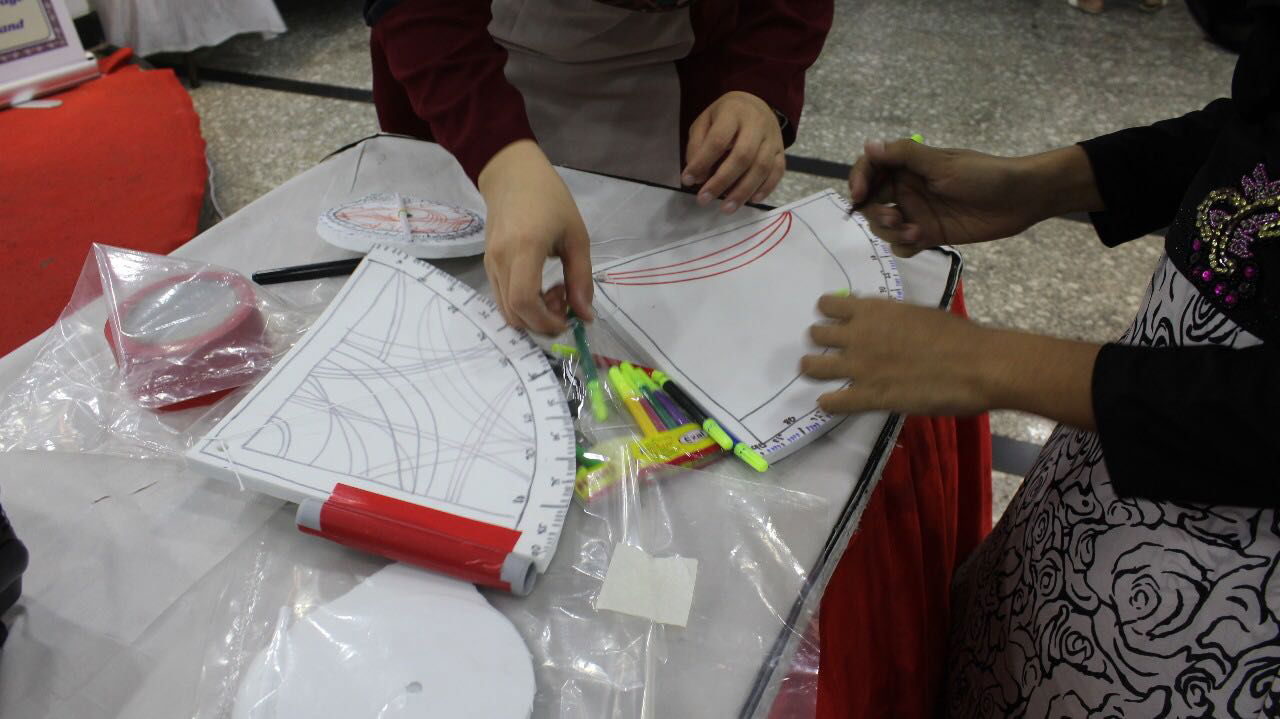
(644, 496)
(142, 354)
(640, 428)
(589, 661)
(671, 593)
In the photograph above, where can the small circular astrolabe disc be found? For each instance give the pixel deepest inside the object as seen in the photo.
(419, 227)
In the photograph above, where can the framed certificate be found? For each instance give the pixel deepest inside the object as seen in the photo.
(40, 52)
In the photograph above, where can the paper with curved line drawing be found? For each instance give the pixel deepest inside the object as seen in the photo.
(411, 386)
(726, 314)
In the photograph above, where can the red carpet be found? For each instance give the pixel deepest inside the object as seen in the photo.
(121, 163)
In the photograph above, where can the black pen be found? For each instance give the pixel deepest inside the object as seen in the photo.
(315, 271)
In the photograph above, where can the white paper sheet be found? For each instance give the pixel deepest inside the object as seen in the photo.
(726, 314)
(410, 385)
(657, 588)
(403, 643)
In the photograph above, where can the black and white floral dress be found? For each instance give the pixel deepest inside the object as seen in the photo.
(1119, 583)
(1082, 603)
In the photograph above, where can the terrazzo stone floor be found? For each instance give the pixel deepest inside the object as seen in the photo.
(1007, 77)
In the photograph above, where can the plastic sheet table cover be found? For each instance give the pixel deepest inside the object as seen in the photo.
(131, 559)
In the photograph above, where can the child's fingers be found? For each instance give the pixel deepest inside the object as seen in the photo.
(496, 273)
(704, 151)
(697, 135)
(576, 258)
(749, 183)
(775, 176)
(556, 300)
(524, 296)
(741, 158)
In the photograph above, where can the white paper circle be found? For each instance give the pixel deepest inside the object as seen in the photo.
(404, 643)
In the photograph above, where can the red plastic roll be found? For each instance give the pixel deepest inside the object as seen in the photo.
(189, 339)
(473, 551)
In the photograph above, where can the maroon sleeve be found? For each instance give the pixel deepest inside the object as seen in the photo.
(765, 52)
(438, 74)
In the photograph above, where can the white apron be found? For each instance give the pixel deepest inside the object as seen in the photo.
(599, 82)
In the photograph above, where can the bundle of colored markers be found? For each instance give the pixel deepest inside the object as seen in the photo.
(674, 428)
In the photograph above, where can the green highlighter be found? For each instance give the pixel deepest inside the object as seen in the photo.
(594, 394)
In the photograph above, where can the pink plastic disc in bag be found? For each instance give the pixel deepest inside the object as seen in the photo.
(189, 339)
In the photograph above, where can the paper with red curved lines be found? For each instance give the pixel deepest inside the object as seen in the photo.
(726, 313)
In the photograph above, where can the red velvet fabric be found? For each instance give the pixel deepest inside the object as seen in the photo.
(121, 162)
(884, 616)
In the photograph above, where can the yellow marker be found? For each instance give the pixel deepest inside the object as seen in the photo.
(684, 446)
(564, 350)
(631, 401)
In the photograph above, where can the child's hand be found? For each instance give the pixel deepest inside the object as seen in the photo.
(532, 216)
(943, 197)
(741, 133)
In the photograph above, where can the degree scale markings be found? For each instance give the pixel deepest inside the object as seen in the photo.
(495, 438)
(546, 417)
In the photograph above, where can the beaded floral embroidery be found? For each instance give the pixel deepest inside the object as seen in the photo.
(1229, 222)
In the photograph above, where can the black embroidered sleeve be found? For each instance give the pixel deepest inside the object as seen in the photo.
(1143, 172)
(1191, 424)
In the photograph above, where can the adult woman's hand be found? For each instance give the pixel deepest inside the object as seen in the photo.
(532, 216)
(916, 197)
(920, 360)
(740, 132)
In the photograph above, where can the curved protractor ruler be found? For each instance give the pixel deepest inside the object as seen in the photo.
(411, 392)
(419, 227)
